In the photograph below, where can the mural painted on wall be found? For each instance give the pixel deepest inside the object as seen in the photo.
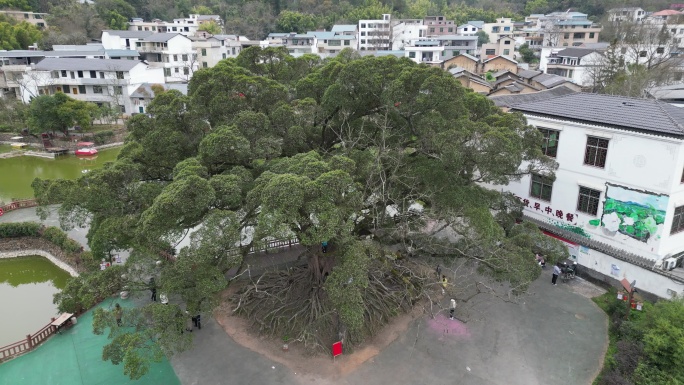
(637, 214)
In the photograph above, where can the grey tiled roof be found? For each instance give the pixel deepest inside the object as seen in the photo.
(52, 64)
(549, 80)
(645, 115)
(528, 74)
(575, 52)
(129, 34)
(161, 37)
(511, 100)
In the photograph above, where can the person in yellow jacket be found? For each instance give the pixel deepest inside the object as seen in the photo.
(444, 283)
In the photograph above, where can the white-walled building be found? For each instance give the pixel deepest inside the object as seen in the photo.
(626, 14)
(405, 31)
(470, 28)
(617, 200)
(187, 26)
(100, 81)
(114, 39)
(575, 64)
(212, 49)
(171, 51)
(375, 35)
(297, 44)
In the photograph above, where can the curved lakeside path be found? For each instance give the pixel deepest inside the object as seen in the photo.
(555, 334)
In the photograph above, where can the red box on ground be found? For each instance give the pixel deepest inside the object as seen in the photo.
(337, 348)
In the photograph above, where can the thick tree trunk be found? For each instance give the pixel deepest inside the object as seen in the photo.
(320, 264)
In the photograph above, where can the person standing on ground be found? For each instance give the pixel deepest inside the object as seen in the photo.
(153, 289)
(556, 273)
(444, 284)
(118, 312)
(452, 308)
(324, 246)
(197, 320)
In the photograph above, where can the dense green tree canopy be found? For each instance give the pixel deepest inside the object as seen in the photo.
(59, 112)
(14, 35)
(268, 147)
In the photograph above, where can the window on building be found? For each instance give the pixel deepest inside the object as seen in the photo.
(54, 74)
(346, 42)
(93, 74)
(205, 65)
(176, 70)
(642, 54)
(490, 52)
(451, 29)
(119, 74)
(73, 76)
(186, 71)
(74, 90)
(184, 57)
(67, 90)
(578, 35)
(677, 220)
(363, 41)
(550, 142)
(118, 90)
(363, 25)
(507, 29)
(566, 36)
(167, 72)
(660, 50)
(123, 108)
(101, 75)
(591, 35)
(441, 30)
(223, 56)
(588, 200)
(204, 52)
(507, 52)
(97, 89)
(596, 152)
(507, 42)
(541, 187)
(495, 29)
(432, 30)
(139, 28)
(64, 73)
(175, 57)
(80, 74)
(412, 55)
(82, 89)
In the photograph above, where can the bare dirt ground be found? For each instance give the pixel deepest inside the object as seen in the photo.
(317, 367)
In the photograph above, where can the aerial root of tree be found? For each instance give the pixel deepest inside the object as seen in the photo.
(287, 304)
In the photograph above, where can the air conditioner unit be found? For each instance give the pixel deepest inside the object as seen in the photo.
(669, 263)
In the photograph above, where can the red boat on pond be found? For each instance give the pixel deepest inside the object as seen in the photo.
(85, 149)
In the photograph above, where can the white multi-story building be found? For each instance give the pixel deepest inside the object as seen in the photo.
(171, 51)
(100, 81)
(113, 39)
(329, 44)
(575, 64)
(617, 199)
(187, 26)
(628, 14)
(297, 44)
(405, 31)
(375, 35)
(212, 49)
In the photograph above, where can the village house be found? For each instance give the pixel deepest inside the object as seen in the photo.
(617, 200)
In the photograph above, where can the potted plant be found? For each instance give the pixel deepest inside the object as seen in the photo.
(286, 346)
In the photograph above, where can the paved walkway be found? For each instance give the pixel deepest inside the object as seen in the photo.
(556, 334)
(74, 358)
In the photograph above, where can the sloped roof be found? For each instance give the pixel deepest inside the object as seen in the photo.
(643, 115)
(477, 23)
(666, 12)
(511, 100)
(51, 64)
(500, 56)
(129, 34)
(575, 52)
(344, 28)
(550, 80)
(528, 74)
(22, 53)
(161, 37)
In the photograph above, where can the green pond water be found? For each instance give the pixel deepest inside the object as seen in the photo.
(17, 174)
(27, 285)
